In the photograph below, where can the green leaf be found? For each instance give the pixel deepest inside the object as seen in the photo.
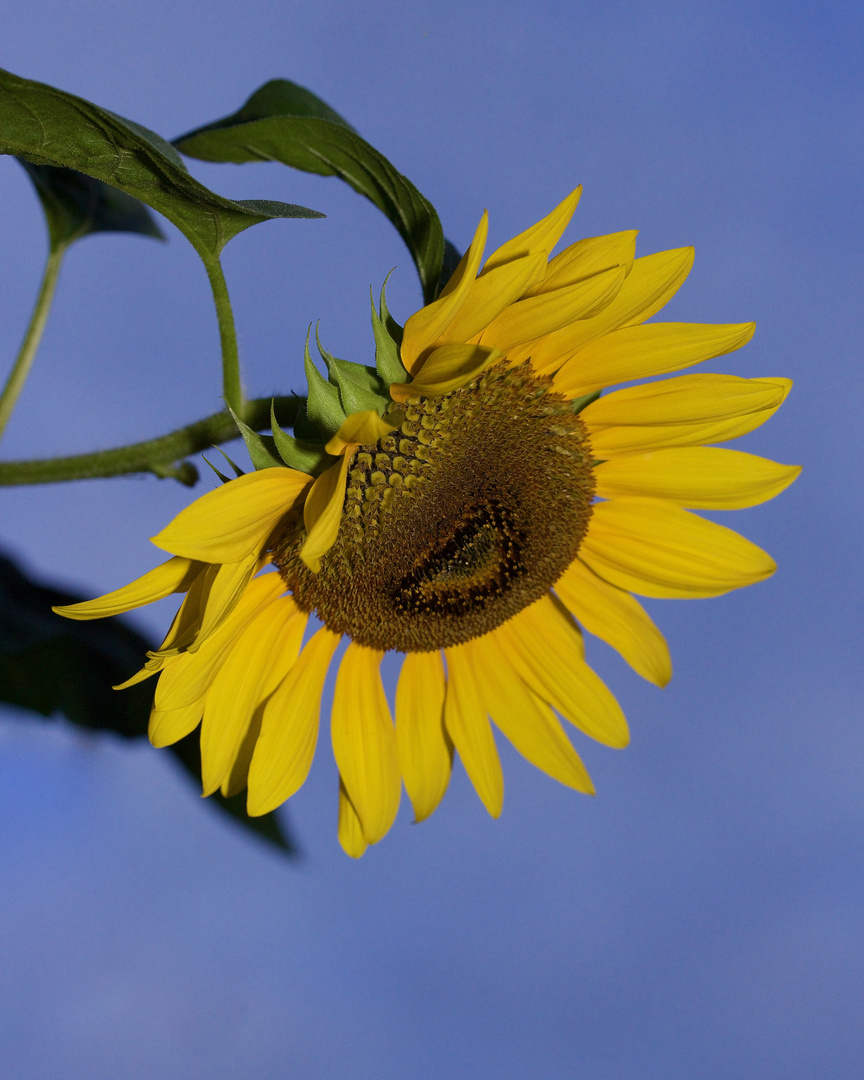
(285, 122)
(51, 665)
(46, 126)
(76, 205)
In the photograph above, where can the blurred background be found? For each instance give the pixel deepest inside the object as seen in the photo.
(702, 915)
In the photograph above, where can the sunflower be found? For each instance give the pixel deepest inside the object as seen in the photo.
(472, 503)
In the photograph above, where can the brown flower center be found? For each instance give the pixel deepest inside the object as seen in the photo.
(456, 522)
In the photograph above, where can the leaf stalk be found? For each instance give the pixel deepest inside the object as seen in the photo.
(32, 337)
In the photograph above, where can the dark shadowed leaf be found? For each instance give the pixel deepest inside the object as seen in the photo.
(46, 126)
(52, 665)
(76, 205)
(285, 122)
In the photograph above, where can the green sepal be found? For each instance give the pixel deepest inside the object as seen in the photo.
(579, 403)
(307, 457)
(261, 448)
(234, 466)
(388, 338)
(323, 405)
(225, 479)
(305, 430)
(359, 387)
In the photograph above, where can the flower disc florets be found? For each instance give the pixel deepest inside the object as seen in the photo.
(455, 522)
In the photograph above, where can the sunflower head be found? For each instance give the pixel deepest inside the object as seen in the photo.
(473, 500)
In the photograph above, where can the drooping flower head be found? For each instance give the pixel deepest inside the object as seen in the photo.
(473, 503)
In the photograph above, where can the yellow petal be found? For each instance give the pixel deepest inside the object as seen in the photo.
(257, 663)
(322, 512)
(236, 778)
(350, 832)
(688, 410)
(289, 727)
(425, 751)
(186, 678)
(175, 575)
(491, 294)
(469, 728)
(686, 399)
(544, 646)
(702, 477)
(426, 326)
(187, 622)
(360, 429)
(151, 667)
(636, 352)
(588, 257)
(653, 548)
(364, 741)
(540, 237)
(169, 726)
(527, 721)
(236, 519)
(540, 315)
(617, 618)
(651, 283)
(229, 585)
(448, 368)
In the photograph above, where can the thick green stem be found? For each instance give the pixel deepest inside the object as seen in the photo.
(24, 361)
(232, 388)
(156, 455)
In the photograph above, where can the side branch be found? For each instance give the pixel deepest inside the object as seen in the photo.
(155, 455)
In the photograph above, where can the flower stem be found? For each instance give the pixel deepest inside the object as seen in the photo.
(232, 388)
(155, 455)
(24, 360)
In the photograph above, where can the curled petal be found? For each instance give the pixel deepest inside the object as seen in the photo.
(448, 368)
(360, 429)
(323, 512)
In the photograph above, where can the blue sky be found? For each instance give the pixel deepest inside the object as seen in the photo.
(702, 915)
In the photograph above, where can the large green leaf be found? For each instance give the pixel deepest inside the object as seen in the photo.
(46, 126)
(76, 205)
(285, 122)
(52, 665)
